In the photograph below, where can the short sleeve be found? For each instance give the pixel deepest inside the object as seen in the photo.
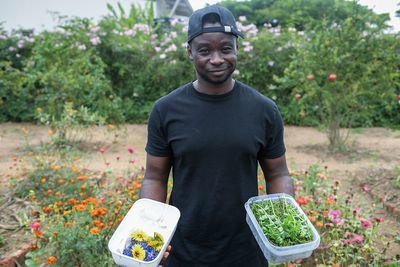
(157, 143)
(275, 145)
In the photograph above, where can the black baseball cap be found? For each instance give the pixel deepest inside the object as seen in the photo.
(226, 18)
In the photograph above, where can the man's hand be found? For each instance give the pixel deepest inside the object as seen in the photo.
(165, 256)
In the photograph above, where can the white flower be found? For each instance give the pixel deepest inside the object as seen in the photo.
(95, 40)
(163, 56)
(242, 18)
(171, 48)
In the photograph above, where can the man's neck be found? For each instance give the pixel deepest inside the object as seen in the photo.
(214, 89)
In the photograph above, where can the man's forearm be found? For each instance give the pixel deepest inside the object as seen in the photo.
(154, 189)
(283, 184)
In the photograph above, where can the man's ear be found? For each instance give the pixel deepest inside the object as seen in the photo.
(189, 51)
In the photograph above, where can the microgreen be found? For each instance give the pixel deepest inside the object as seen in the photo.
(281, 222)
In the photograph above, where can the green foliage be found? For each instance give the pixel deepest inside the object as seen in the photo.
(119, 66)
(301, 14)
(77, 214)
(353, 84)
(66, 128)
(349, 232)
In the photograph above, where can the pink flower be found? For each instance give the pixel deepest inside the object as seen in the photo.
(132, 161)
(358, 238)
(365, 188)
(337, 221)
(335, 213)
(131, 150)
(102, 150)
(35, 225)
(365, 223)
(348, 241)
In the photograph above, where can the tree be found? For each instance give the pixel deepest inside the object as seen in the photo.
(302, 14)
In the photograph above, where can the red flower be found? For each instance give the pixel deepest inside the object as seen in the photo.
(131, 150)
(302, 200)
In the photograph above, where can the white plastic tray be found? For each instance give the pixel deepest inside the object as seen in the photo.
(149, 216)
(273, 253)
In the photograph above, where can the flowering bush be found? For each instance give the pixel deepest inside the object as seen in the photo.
(119, 66)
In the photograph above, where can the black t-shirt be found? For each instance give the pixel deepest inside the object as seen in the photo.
(214, 142)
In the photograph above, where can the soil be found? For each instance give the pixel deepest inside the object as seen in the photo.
(366, 169)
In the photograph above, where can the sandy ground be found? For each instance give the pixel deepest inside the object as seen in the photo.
(372, 149)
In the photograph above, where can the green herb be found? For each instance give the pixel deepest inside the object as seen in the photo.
(281, 222)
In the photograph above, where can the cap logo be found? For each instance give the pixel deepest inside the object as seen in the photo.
(228, 29)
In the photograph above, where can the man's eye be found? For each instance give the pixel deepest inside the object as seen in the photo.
(203, 51)
(227, 49)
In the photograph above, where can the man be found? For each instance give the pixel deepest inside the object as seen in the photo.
(213, 133)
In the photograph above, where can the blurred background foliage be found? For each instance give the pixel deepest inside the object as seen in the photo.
(119, 66)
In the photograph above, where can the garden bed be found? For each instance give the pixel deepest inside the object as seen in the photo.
(368, 174)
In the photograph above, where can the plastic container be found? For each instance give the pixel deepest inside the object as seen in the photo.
(149, 216)
(275, 254)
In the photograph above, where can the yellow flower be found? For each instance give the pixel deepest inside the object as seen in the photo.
(139, 236)
(138, 252)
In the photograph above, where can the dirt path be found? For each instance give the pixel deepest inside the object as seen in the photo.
(375, 151)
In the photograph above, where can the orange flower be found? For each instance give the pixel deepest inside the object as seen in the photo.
(312, 218)
(49, 192)
(326, 213)
(55, 167)
(33, 198)
(330, 200)
(335, 265)
(83, 187)
(94, 213)
(260, 187)
(37, 233)
(91, 200)
(72, 201)
(103, 211)
(61, 181)
(51, 260)
(47, 209)
(320, 224)
(58, 193)
(43, 179)
(80, 207)
(95, 231)
(137, 184)
(81, 177)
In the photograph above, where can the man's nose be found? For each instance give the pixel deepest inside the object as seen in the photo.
(216, 58)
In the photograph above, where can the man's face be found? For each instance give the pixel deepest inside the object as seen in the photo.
(214, 55)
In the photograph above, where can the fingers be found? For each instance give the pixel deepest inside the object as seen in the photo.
(165, 256)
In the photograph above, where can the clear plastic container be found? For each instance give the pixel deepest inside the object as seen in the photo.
(275, 254)
(148, 216)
